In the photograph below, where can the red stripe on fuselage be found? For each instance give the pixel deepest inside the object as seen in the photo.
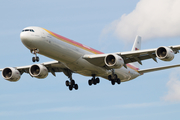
(74, 43)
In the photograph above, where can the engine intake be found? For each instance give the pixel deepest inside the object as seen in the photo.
(114, 61)
(165, 53)
(38, 71)
(11, 74)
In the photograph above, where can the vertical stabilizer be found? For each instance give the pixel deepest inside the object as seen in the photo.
(136, 46)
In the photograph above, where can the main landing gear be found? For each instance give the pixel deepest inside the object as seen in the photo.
(70, 83)
(36, 58)
(113, 78)
(94, 80)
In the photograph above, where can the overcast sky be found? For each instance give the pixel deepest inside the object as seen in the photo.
(108, 26)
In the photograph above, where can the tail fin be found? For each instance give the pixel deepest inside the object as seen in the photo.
(136, 46)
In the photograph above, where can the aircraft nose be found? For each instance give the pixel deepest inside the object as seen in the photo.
(26, 39)
(22, 36)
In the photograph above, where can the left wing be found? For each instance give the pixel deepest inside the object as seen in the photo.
(139, 55)
(134, 56)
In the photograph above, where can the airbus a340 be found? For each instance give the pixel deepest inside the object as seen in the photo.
(72, 57)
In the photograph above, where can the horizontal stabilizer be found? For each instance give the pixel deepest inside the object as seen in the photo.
(157, 69)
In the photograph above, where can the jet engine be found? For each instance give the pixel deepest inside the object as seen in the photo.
(114, 61)
(165, 53)
(38, 71)
(11, 74)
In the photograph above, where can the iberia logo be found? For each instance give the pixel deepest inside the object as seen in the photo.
(136, 49)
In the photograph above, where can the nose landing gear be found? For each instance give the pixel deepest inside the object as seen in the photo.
(36, 58)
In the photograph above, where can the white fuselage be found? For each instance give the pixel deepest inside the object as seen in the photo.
(70, 53)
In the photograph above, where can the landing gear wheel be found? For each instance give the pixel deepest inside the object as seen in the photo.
(72, 82)
(35, 51)
(114, 78)
(112, 82)
(109, 77)
(97, 80)
(70, 87)
(33, 59)
(76, 86)
(90, 82)
(94, 81)
(118, 81)
(37, 59)
(67, 83)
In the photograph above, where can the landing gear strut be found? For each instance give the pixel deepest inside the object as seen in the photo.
(70, 83)
(94, 80)
(113, 78)
(36, 58)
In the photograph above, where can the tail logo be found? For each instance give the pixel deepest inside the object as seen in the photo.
(136, 49)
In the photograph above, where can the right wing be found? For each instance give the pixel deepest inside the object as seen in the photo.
(53, 66)
(14, 73)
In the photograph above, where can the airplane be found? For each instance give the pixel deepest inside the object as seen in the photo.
(73, 57)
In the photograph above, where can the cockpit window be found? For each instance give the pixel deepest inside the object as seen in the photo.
(25, 30)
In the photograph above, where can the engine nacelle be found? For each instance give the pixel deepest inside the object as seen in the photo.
(11, 74)
(114, 61)
(165, 53)
(38, 71)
